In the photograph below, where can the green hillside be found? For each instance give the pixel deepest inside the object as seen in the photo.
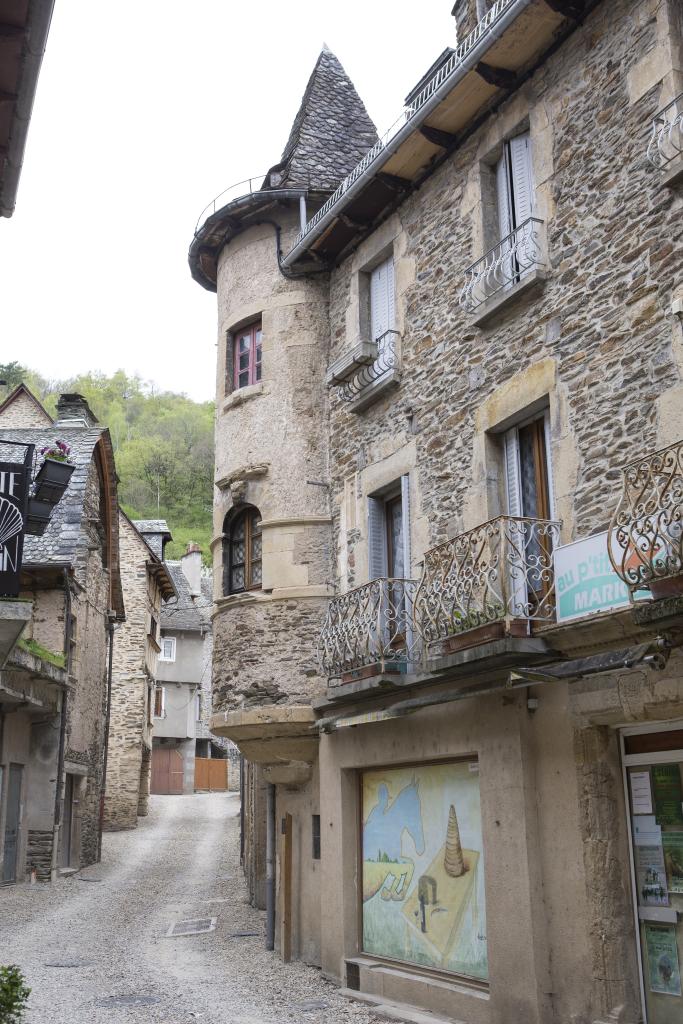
(163, 444)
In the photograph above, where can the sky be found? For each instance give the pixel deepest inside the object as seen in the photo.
(146, 110)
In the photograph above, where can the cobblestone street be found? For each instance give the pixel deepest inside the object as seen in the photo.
(93, 947)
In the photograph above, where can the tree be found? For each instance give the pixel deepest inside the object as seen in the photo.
(13, 995)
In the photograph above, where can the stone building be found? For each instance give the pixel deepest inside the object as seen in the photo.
(448, 628)
(184, 744)
(53, 693)
(146, 583)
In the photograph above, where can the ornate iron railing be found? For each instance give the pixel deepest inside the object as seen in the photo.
(505, 264)
(445, 71)
(371, 625)
(499, 571)
(645, 539)
(388, 358)
(666, 138)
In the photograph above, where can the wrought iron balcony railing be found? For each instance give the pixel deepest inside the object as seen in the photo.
(517, 255)
(370, 626)
(500, 571)
(388, 359)
(666, 138)
(645, 539)
(484, 26)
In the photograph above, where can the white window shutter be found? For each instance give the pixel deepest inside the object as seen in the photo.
(405, 514)
(377, 542)
(512, 473)
(503, 194)
(382, 298)
(522, 178)
(549, 464)
(391, 322)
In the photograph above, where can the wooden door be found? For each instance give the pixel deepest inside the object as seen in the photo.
(167, 771)
(201, 773)
(218, 774)
(12, 823)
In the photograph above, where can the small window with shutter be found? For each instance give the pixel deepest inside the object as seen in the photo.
(528, 469)
(514, 184)
(382, 299)
(389, 532)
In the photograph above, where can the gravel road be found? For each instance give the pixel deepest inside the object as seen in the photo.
(94, 949)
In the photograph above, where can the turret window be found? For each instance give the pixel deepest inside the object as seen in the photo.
(242, 552)
(246, 355)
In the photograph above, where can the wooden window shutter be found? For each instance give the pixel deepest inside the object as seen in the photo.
(513, 480)
(377, 546)
(549, 465)
(405, 513)
(503, 194)
(382, 298)
(522, 183)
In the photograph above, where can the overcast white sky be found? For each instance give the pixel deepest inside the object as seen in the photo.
(145, 110)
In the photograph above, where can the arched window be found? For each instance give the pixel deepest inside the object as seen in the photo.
(242, 551)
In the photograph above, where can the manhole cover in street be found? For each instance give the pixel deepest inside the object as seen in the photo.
(132, 1000)
(312, 1004)
(195, 927)
(242, 935)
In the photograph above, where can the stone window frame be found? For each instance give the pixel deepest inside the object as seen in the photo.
(487, 231)
(231, 387)
(250, 515)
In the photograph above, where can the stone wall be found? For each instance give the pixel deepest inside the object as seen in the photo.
(132, 684)
(39, 853)
(23, 411)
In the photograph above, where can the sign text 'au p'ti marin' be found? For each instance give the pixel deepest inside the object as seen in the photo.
(12, 525)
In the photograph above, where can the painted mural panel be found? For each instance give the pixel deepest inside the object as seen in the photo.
(423, 870)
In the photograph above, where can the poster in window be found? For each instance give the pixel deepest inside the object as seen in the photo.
(648, 855)
(664, 974)
(666, 782)
(423, 871)
(673, 859)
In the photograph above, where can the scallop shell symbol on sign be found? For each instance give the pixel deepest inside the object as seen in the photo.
(11, 520)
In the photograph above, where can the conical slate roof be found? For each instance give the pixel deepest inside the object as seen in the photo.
(331, 132)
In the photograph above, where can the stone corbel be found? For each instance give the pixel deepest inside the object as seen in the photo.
(236, 482)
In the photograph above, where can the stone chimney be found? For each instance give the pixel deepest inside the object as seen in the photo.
(467, 14)
(73, 411)
(192, 567)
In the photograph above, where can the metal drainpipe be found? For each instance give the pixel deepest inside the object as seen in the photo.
(270, 866)
(111, 617)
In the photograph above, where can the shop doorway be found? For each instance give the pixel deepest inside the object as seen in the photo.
(653, 780)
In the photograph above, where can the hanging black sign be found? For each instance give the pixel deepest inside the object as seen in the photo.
(13, 496)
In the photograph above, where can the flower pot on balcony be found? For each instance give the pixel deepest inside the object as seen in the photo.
(52, 480)
(671, 587)
(38, 516)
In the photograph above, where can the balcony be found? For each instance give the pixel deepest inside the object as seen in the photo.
(665, 148)
(369, 631)
(360, 379)
(645, 540)
(494, 581)
(506, 270)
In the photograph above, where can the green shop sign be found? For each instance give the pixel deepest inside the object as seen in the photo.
(585, 580)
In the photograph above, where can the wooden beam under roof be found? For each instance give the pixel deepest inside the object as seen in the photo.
(439, 137)
(500, 77)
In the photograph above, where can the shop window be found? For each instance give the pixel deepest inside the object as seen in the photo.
(654, 784)
(242, 551)
(423, 898)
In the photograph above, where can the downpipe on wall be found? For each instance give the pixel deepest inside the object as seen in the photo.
(270, 866)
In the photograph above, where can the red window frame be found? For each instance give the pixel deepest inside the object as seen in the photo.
(246, 355)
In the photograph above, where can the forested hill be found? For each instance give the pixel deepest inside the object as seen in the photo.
(163, 444)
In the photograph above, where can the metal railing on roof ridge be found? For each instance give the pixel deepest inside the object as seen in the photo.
(236, 191)
(434, 83)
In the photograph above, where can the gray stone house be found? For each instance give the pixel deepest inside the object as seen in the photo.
(146, 584)
(183, 742)
(53, 688)
(447, 611)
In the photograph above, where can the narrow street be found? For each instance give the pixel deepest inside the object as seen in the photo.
(93, 947)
